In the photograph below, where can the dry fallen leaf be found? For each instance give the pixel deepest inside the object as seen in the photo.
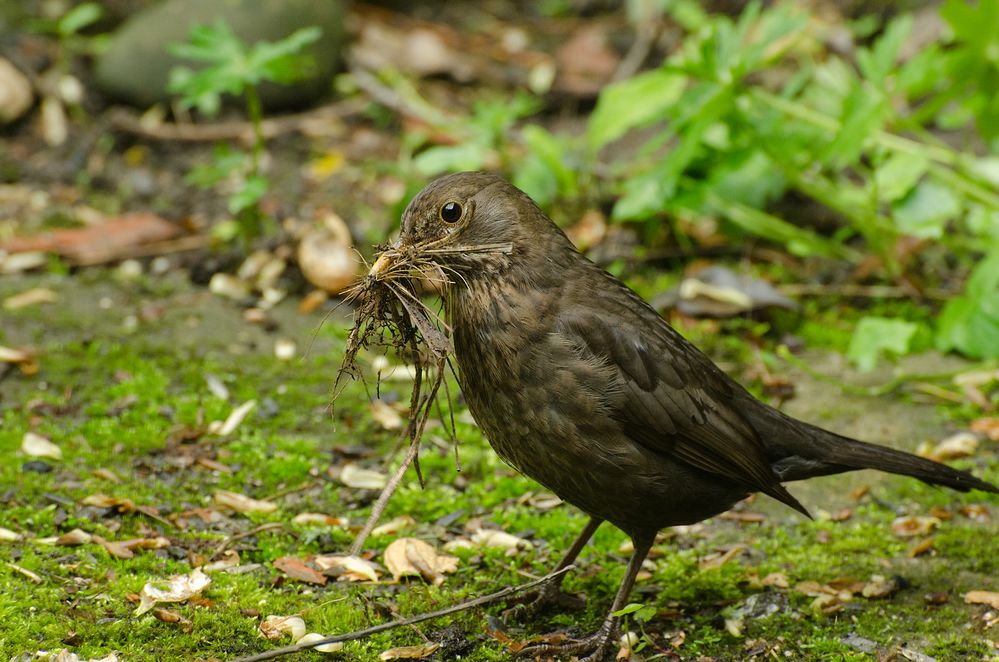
(409, 557)
(178, 589)
(989, 426)
(74, 538)
(990, 598)
(962, 444)
(30, 297)
(319, 518)
(105, 501)
(6, 535)
(879, 587)
(242, 503)
(496, 538)
(321, 648)
(385, 415)
(393, 526)
(297, 569)
(354, 476)
(348, 568)
(418, 652)
(36, 445)
(224, 429)
(229, 560)
(912, 525)
(275, 627)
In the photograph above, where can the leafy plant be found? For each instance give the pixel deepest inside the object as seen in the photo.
(235, 68)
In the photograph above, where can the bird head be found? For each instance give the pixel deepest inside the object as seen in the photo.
(463, 226)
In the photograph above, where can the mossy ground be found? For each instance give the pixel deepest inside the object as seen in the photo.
(116, 383)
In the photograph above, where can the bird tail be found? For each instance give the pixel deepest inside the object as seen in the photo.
(818, 452)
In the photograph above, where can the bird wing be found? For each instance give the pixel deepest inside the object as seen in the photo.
(668, 396)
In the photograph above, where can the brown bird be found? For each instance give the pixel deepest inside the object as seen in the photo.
(581, 385)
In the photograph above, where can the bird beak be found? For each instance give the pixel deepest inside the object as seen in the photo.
(381, 264)
(384, 261)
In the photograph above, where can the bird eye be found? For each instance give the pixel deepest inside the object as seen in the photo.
(450, 212)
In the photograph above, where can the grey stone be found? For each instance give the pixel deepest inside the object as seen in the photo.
(136, 65)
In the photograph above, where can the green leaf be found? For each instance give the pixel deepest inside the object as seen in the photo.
(925, 211)
(628, 609)
(631, 103)
(445, 158)
(544, 173)
(78, 18)
(249, 194)
(875, 336)
(970, 323)
(899, 174)
(877, 62)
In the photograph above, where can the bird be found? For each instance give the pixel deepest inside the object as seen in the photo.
(581, 385)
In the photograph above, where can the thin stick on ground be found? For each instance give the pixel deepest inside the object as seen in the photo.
(419, 618)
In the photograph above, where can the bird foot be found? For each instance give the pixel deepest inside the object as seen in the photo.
(597, 647)
(534, 602)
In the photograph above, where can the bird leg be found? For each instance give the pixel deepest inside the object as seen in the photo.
(551, 591)
(599, 644)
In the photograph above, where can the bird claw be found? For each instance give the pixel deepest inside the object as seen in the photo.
(536, 601)
(596, 647)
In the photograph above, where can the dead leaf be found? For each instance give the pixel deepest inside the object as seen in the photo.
(327, 257)
(912, 525)
(229, 560)
(321, 648)
(385, 415)
(6, 535)
(242, 503)
(36, 445)
(922, 547)
(879, 587)
(354, 476)
(74, 538)
(989, 426)
(962, 444)
(100, 243)
(496, 538)
(410, 652)
(224, 429)
(348, 568)
(105, 501)
(275, 627)
(319, 518)
(297, 569)
(31, 297)
(718, 560)
(107, 474)
(408, 557)
(393, 526)
(586, 62)
(178, 589)
(990, 598)
(778, 579)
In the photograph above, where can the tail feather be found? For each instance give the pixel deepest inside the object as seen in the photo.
(817, 452)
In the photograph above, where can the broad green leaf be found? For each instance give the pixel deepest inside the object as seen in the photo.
(878, 61)
(78, 18)
(970, 323)
(925, 211)
(249, 194)
(899, 174)
(875, 336)
(445, 158)
(632, 103)
(544, 173)
(797, 240)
